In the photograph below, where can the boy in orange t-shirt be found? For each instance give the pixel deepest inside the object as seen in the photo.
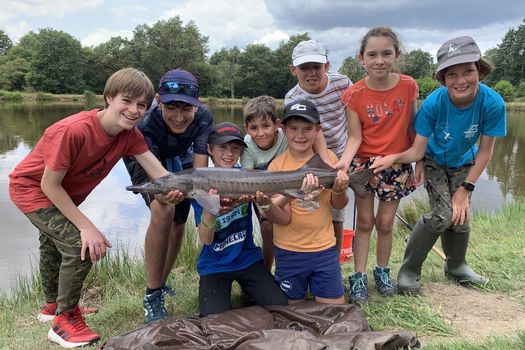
(304, 241)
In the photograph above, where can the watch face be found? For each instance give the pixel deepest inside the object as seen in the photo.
(468, 186)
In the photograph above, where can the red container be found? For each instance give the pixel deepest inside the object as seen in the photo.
(346, 251)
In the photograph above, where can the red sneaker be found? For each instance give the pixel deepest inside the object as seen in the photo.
(69, 330)
(48, 312)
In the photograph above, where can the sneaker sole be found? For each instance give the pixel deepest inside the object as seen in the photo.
(46, 318)
(55, 338)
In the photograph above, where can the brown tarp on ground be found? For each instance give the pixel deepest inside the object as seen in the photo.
(307, 325)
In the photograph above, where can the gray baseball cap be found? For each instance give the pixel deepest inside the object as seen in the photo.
(456, 51)
(308, 51)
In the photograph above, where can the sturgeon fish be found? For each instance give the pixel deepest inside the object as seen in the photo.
(234, 182)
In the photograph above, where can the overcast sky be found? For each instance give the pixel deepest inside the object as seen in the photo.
(338, 24)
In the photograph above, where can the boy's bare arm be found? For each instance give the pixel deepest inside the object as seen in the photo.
(355, 138)
(413, 154)
(200, 160)
(91, 237)
(321, 148)
(154, 168)
(339, 198)
(279, 208)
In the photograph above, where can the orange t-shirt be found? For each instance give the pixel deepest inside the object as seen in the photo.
(308, 231)
(385, 115)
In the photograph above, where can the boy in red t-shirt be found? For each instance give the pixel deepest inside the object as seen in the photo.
(67, 163)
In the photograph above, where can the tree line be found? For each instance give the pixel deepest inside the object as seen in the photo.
(55, 62)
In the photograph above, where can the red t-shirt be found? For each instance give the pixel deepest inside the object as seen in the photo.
(79, 146)
(384, 115)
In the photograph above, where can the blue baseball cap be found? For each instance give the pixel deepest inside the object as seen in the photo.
(179, 85)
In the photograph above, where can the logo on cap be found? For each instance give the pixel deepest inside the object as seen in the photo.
(298, 107)
(453, 50)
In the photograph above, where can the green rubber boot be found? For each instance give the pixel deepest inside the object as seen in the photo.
(455, 248)
(421, 241)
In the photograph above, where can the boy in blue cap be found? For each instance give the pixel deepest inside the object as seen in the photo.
(176, 131)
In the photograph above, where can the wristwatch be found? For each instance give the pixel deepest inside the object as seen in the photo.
(265, 207)
(469, 186)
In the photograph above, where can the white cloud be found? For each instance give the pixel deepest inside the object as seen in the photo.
(226, 23)
(101, 35)
(273, 39)
(44, 8)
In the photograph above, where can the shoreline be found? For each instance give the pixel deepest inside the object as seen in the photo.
(82, 99)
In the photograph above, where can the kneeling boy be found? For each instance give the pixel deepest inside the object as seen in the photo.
(229, 253)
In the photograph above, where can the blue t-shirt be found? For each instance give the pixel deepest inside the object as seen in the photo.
(175, 151)
(452, 132)
(232, 248)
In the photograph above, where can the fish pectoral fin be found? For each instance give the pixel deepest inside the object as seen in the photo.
(358, 180)
(210, 203)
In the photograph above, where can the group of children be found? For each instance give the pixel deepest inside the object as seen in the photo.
(370, 124)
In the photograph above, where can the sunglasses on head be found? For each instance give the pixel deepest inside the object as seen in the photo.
(171, 87)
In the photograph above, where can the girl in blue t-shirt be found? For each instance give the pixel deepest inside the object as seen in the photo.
(449, 125)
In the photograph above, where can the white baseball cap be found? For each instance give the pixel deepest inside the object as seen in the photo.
(309, 51)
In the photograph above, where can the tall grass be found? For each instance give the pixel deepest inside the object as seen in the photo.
(116, 286)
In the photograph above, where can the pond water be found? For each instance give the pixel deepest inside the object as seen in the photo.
(123, 217)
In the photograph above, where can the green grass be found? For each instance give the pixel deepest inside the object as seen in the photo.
(116, 286)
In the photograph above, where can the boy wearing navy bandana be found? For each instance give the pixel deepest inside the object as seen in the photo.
(449, 124)
(176, 131)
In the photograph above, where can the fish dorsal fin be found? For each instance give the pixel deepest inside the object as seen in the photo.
(318, 163)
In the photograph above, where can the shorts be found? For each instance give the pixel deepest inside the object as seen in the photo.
(391, 184)
(295, 272)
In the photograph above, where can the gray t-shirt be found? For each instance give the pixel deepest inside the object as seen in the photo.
(255, 158)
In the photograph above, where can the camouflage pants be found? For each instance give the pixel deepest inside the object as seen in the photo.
(62, 271)
(441, 184)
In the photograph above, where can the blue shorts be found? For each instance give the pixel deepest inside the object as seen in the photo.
(321, 271)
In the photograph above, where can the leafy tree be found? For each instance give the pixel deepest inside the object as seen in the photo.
(226, 62)
(509, 57)
(416, 63)
(5, 43)
(283, 80)
(426, 86)
(520, 89)
(169, 44)
(505, 89)
(353, 69)
(256, 71)
(104, 60)
(57, 63)
(13, 71)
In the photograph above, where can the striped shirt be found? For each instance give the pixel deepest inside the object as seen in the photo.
(331, 109)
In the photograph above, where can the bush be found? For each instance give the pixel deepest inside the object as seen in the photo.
(11, 96)
(505, 89)
(426, 86)
(520, 89)
(44, 96)
(90, 97)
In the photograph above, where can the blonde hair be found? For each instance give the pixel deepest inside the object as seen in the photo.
(131, 82)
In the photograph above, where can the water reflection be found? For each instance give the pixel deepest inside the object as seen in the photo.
(123, 217)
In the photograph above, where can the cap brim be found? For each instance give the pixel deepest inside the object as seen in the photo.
(170, 98)
(305, 116)
(467, 58)
(221, 140)
(309, 58)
